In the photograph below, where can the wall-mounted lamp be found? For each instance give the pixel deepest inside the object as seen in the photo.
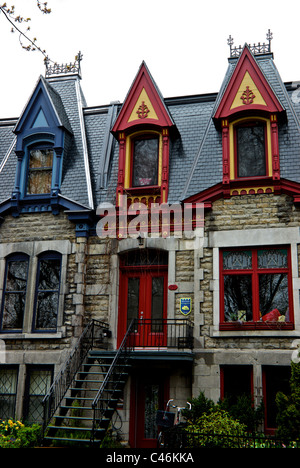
(140, 240)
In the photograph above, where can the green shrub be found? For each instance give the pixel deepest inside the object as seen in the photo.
(243, 410)
(210, 426)
(14, 434)
(288, 416)
(200, 405)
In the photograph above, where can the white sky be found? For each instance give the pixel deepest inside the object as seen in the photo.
(184, 44)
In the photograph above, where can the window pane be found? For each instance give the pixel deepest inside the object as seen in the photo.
(16, 275)
(273, 258)
(41, 158)
(46, 310)
(237, 298)
(151, 407)
(47, 297)
(133, 299)
(274, 297)
(251, 151)
(8, 390)
(237, 260)
(236, 382)
(40, 381)
(13, 311)
(39, 182)
(40, 171)
(145, 257)
(145, 162)
(14, 294)
(157, 304)
(49, 274)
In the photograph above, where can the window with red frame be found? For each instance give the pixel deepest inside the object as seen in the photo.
(251, 151)
(256, 288)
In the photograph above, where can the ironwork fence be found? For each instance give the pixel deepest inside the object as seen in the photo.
(162, 333)
(174, 439)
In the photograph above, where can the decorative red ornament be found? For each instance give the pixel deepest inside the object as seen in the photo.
(248, 96)
(143, 111)
(173, 287)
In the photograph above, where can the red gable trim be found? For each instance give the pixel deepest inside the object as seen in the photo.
(247, 63)
(142, 81)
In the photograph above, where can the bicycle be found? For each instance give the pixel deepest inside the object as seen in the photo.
(168, 419)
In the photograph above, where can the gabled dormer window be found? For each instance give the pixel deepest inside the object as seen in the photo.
(42, 132)
(39, 170)
(248, 115)
(143, 132)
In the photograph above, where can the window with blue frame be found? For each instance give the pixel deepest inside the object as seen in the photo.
(47, 292)
(40, 163)
(14, 293)
(16, 314)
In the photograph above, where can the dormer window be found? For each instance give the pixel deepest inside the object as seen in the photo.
(145, 162)
(39, 171)
(143, 132)
(251, 151)
(248, 115)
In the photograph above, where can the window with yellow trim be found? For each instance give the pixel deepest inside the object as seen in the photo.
(250, 144)
(143, 160)
(250, 149)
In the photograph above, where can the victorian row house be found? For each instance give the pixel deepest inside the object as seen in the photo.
(149, 250)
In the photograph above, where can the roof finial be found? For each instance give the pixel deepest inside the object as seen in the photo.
(57, 69)
(256, 49)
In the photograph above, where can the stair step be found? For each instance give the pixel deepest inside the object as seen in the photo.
(84, 389)
(65, 439)
(72, 428)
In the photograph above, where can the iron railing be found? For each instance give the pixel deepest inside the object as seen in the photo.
(113, 382)
(93, 335)
(174, 439)
(162, 333)
(157, 334)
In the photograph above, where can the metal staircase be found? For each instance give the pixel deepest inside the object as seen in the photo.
(81, 401)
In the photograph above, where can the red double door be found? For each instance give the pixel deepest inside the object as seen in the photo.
(143, 297)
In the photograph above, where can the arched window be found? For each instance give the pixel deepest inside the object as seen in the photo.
(47, 292)
(14, 293)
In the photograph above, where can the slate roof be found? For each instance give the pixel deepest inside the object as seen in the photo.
(91, 156)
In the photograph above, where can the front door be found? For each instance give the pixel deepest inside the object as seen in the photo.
(143, 298)
(149, 393)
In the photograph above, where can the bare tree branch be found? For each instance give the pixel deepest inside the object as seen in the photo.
(10, 15)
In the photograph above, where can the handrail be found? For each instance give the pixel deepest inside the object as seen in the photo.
(76, 357)
(123, 351)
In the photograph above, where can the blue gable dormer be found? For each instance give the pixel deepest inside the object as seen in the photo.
(41, 135)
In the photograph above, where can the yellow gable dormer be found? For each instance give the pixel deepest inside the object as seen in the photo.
(143, 108)
(248, 93)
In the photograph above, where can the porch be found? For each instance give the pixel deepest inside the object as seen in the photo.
(95, 369)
